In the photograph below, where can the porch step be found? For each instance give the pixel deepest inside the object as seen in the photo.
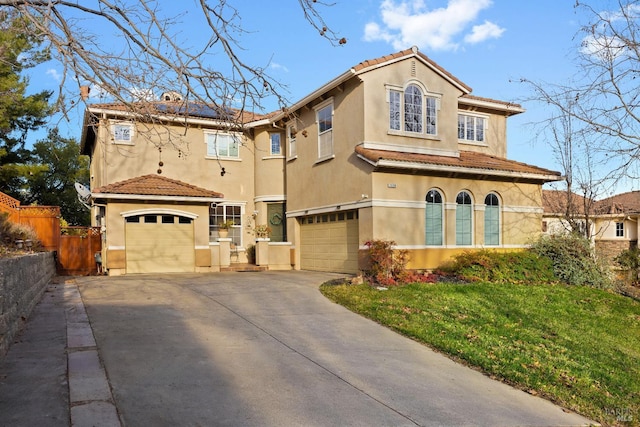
(244, 268)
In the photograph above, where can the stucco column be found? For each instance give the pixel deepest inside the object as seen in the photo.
(262, 251)
(225, 251)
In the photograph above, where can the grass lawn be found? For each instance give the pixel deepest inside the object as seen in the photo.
(576, 346)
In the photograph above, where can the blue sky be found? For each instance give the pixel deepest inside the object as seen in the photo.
(488, 44)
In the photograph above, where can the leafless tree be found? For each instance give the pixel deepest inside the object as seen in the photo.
(140, 50)
(605, 95)
(572, 144)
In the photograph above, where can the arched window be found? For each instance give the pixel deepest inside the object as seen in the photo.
(433, 219)
(464, 215)
(491, 220)
(413, 109)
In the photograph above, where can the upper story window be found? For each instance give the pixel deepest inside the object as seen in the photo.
(292, 132)
(413, 111)
(274, 144)
(122, 133)
(324, 117)
(221, 144)
(471, 128)
(619, 229)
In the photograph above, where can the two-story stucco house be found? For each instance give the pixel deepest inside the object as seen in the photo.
(395, 148)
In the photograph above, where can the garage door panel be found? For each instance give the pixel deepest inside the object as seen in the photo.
(159, 247)
(330, 246)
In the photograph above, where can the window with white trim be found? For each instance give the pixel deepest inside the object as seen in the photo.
(221, 144)
(221, 213)
(324, 117)
(122, 133)
(471, 128)
(464, 219)
(292, 132)
(619, 229)
(274, 144)
(433, 219)
(413, 111)
(491, 220)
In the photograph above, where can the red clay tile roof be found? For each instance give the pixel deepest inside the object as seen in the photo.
(467, 160)
(156, 185)
(555, 202)
(628, 203)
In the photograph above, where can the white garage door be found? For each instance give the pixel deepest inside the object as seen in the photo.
(159, 243)
(329, 242)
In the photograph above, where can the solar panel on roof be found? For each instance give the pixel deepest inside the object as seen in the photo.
(195, 109)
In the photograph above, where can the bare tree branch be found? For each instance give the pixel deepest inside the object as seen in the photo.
(129, 49)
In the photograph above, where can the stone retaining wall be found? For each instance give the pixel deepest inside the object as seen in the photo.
(22, 283)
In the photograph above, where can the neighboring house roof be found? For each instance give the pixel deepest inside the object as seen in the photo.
(153, 186)
(555, 202)
(466, 163)
(625, 203)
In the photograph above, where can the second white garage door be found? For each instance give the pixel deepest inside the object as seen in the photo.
(159, 244)
(329, 242)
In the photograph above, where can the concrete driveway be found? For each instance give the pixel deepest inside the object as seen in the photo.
(267, 349)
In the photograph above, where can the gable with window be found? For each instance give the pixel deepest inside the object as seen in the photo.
(220, 144)
(324, 118)
(413, 110)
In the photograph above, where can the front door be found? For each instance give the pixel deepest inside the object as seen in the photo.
(277, 222)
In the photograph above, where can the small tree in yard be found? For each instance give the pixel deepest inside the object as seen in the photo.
(388, 265)
(629, 260)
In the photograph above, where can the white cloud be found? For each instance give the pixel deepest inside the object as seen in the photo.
(276, 66)
(486, 31)
(55, 74)
(407, 23)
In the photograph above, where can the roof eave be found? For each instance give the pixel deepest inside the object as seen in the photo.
(382, 163)
(167, 118)
(510, 109)
(316, 93)
(118, 196)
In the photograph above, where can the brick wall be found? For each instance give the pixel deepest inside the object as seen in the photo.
(22, 283)
(607, 250)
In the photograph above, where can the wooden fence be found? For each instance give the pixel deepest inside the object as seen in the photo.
(77, 253)
(75, 246)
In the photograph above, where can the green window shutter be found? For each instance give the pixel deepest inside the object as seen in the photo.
(492, 226)
(433, 230)
(463, 225)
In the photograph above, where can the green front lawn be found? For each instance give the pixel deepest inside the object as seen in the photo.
(577, 346)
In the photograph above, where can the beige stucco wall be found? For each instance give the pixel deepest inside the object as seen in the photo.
(269, 172)
(342, 179)
(606, 228)
(183, 158)
(399, 201)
